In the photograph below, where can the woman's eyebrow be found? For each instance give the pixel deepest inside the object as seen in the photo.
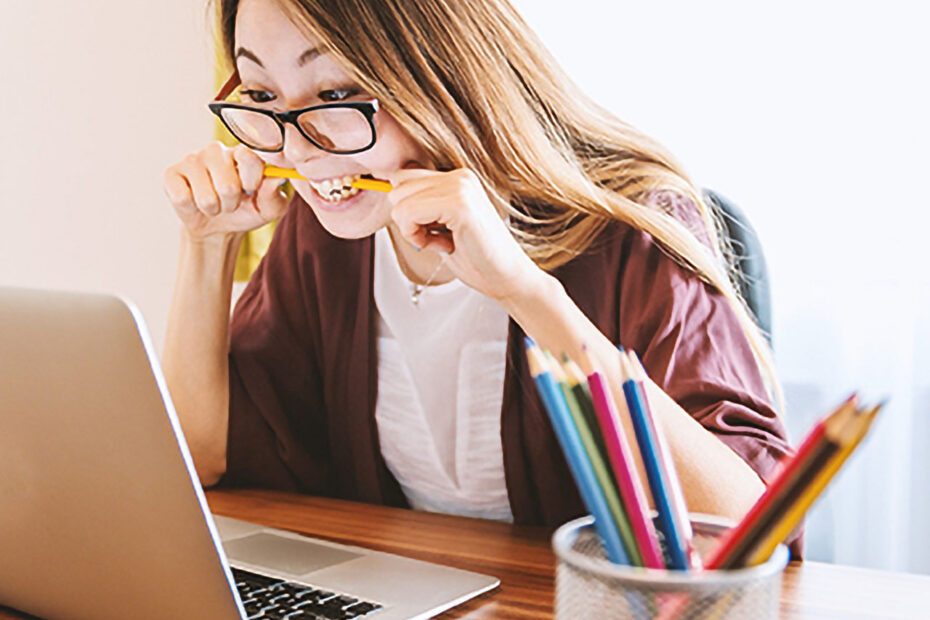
(309, 55)
(244, 53)
(303, 59)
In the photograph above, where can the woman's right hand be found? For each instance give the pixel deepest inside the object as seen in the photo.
(222, 190)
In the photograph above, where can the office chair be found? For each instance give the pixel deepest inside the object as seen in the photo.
(747, 259)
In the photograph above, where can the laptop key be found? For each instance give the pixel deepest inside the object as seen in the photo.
(313, 596)
(363, 608)
(251, 578)
(344, 601)
(305, 615)
(277, 613)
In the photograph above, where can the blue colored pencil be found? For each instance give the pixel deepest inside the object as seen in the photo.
(578, 464)
(659, 478)
(676, 497)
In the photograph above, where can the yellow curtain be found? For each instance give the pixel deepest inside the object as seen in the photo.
(256, 242)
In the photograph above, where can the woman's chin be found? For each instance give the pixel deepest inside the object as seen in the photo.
(352, 218)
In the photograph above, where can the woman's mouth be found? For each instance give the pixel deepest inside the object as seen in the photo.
(336, 189)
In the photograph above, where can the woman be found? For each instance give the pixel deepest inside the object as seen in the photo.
(376, 353)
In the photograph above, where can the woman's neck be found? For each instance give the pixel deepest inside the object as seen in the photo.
(420, 266)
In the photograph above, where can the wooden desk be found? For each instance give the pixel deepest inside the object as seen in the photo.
(523, 560)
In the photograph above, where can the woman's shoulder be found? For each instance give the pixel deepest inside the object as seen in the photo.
(633, 243)
(684, 210)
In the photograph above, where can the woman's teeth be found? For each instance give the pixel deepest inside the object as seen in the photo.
(336, 189)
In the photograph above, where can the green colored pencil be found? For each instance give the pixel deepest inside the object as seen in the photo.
(601, 470)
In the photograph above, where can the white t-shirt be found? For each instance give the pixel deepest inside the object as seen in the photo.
(440, 388)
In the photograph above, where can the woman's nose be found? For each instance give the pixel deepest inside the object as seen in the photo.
(298, 149)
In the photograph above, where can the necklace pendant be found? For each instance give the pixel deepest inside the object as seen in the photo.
(415, 296)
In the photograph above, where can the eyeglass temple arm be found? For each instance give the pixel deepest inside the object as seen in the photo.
(229, 86)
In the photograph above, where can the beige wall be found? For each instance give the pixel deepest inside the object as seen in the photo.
(96, 98)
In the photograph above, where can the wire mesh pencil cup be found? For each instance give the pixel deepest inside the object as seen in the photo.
(588, 586)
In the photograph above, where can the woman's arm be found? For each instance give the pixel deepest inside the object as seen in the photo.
(196, 346)
(715, 480)
(218, 193)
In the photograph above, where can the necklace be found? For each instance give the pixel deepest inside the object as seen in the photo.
(416, 290)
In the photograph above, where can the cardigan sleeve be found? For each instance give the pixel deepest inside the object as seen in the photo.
(693, 346)
(277, 428)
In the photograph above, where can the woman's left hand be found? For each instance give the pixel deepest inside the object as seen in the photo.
(482, 251)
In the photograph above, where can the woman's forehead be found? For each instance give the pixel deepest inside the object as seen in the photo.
(265, 30)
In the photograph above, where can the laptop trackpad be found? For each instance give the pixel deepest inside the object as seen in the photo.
(286, 555)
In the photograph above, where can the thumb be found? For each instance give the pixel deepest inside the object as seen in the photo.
(272, 199)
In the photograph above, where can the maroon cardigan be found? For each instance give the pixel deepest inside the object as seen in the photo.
(303, 364)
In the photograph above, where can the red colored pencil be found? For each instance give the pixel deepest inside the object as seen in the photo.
(734, 539)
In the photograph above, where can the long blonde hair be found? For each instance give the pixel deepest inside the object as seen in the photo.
(475, 87)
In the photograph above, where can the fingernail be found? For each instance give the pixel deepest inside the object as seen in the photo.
(250, 192)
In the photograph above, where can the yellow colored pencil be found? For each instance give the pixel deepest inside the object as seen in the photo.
(857, 430)
(376, 185)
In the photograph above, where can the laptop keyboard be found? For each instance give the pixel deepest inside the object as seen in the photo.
(276, 599)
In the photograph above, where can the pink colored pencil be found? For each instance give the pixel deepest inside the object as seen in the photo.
(621, 460)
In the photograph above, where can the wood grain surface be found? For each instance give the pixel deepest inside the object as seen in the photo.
(521, 557)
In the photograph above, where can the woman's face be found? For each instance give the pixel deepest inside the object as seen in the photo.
(281, 70)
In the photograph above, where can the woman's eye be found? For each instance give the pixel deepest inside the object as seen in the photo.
(258, 96)
(337, 94)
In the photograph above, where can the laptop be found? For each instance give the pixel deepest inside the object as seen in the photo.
(101, 512)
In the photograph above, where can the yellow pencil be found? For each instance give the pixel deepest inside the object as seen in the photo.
(857, 429)
(376, 185)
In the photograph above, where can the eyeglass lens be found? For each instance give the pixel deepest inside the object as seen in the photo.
(334, 129)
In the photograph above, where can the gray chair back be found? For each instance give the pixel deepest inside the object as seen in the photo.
(748, 259)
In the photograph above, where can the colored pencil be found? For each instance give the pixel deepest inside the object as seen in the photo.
(849, 437)
(621, 459)
(734, 542)
(580, 467)
(579, 385)
(598, 463)
(376, 185)
(656, 472)
(677, 498)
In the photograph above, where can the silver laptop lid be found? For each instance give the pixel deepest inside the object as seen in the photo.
(101, 515)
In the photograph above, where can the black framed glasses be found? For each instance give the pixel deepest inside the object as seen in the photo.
(343, 127)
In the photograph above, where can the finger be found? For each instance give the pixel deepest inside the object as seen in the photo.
(222, 170)
(178, 191)
(432, 238)
(270, 199)
(201, 185)
(443, 243)
(425, 210)
(251, 169)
